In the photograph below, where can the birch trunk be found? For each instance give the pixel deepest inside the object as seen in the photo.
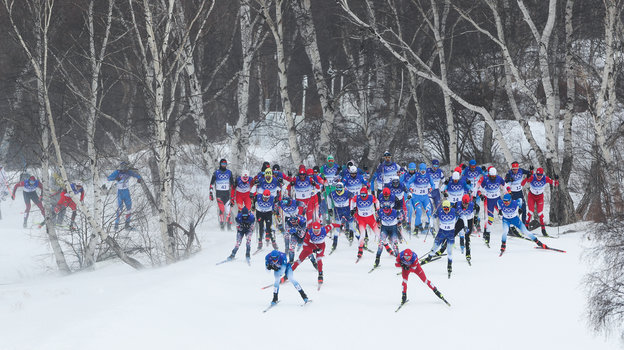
(240, 137)
(277, 29)
(438, 29)
(305, 24)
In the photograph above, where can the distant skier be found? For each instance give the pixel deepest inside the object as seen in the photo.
(474, 173)
(490, 191)
(509, 209)
(244, 227)
(465, 213)
(514, 178)
(342, 213)
(66, 202)
(353, 181)
(265, 205)
(241, 190)
(447, 217)
(277, 262)
(385, 171)
(455, 188)
(537, 184)
(330, 173)
(438, 178)
(364, 208)
(303, 189)
(222, 181)
(122, 176)
(294, 234)
(314, 243)
(388, 218)
(421, 185)
(408, 262)
(30, 194)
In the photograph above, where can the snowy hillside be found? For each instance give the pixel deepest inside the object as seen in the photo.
(525, 299)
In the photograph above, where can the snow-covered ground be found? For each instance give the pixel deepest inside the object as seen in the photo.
(527, 299)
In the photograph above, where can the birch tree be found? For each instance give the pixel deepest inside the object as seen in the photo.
(415, 64)
(43, 11)
(276, 26)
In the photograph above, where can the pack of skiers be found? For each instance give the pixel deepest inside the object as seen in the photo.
(324, 202)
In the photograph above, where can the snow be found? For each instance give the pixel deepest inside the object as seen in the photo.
(525, 299)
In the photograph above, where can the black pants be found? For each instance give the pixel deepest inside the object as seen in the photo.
(459, 225)
(265, 219)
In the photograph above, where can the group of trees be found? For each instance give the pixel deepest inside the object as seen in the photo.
(91, 82)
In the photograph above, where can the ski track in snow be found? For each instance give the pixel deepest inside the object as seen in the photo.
(526, 299)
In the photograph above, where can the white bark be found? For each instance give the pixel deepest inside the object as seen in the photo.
(277, 29)
(307, 29)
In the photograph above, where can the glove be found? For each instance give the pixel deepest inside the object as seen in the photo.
(289, 173)
(409, 196)
(468, 182)
(378, 220)
(330, 213)
(118, 178)
(482, 197)
(353, 212)
(483, 168)
(508, 189)
(13, 196)
(531, 168)
(405, 266)
(446, 182)
(445, 194)
(253, 206)
(342, 227)
(211, 195)
(232, 200)
(500, 212)
(520, 211)
(139, 180)
(556, 177)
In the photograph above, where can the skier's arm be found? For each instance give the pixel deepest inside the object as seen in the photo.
(137, 176)
(527, 179)
(19, 184)
(113, 176)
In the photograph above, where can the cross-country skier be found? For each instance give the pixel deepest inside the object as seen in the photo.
(514, 178)
(244, 227)
(30, 194)
(65, 201)
(489, 190)
(342, 212)
(474, 173)
(447, 217)
(388, 218)
(265, 205)
(222, 181)
(465, 212)
(408, 262)
(277, 262)
(294, 234)
(455, 188)
(330, 173)
(537, 184)
(385, 171)
(509, 209)
(363, 208)
(241, 190)
(438, 178)
(303, 189)
(314, 243)
(353, 181)
(420, 185)
(398, 190)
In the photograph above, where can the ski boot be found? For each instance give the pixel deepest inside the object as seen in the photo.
(127, 227)
(462, 244)
(403, 298)
(359, 254)
(389, 250)
(417, 229)
(503, 247)
(350, 236)
(426, 260)
(544, 232)
(468, 258)
(229, 226)
(449, 268)
(540, 244)
(259, 244)
(222, 225)
(376, 262)
(303, 296)
(320, 278)
(274, 301)
(486, 237)
(26, 223)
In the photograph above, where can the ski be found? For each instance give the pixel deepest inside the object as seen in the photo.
(270, 306)
(306, 302)
(553, 249)
(501, 253)
(257, 251)
(267, 286)
(400, 306)
(373, 269)
(224, 261)
(248, 261)
(358, 259)
(319, 287)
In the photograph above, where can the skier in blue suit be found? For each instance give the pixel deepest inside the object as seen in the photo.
(277, 262)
